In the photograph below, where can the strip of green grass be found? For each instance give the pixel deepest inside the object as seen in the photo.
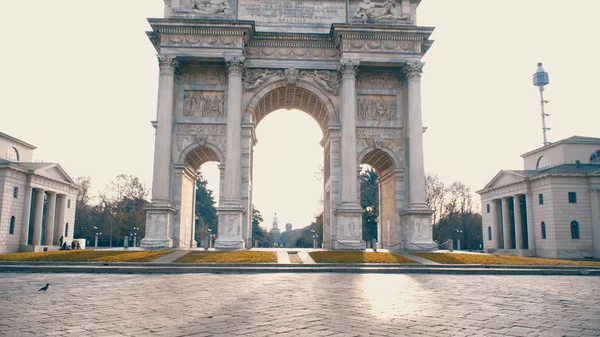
(357, 257)
(457, 258)
(87, 256)
(229, 257)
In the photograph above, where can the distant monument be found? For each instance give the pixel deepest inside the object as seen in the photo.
(353, 65)
(275, 232)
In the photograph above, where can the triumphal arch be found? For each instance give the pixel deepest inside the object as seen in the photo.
(353, 65)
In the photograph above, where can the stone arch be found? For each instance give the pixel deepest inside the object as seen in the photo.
(380, 158)
(303, 96)
(199, 153)
(388, 167)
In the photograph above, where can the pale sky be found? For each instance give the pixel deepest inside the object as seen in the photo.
(79, 81)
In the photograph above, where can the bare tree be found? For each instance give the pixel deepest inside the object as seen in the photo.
(435, 196)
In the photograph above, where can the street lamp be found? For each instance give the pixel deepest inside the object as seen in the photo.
(458, 232)
(135, 233)
(97, 235)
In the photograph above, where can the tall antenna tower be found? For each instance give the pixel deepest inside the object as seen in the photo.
(540, 79)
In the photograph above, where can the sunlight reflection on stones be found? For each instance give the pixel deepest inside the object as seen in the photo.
(393, 296)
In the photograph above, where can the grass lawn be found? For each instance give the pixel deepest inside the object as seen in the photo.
(357, 257)
(229, 257)
(457, 258)
(87, 256)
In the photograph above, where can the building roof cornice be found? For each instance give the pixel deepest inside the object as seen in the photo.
(16, 140)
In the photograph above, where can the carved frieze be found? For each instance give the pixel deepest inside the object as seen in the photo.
(326, 80)
(204, 103)
(376, 108)
(292, 53)
(379, 133)
(202, 130)
(381, 45)
(182, 40)
(206, 8)
(255, 78)
(378, 11)
(378, 80)
(194, 75)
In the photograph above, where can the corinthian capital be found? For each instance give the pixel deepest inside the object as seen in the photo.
(414, 70)
(348, 68)
(235, 65)
(167, 64)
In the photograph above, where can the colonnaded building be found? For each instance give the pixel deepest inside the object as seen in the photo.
(37, 200)
(551, 208)
(353, 65)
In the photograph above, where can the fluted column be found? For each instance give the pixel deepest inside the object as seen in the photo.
(506, 223)
(37, 217)
(518, 222)
(162, 146)
(416, 167)
(496, 210)
(59, 226)
(349, 186)
(233, 177)
(50, 213)
(26, 216)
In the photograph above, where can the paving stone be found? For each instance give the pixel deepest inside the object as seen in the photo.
(298, 304)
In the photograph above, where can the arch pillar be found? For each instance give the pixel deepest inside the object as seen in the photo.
(349, 212)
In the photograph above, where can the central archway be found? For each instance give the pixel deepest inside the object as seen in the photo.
(308, 98)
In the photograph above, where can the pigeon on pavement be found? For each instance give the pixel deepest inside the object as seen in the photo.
(44, 288)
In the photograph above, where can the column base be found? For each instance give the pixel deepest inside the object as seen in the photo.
(159, 220)
(349, 229)
(417, 229)
(230, 227)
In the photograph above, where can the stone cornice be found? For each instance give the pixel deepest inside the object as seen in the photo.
(407, 33)
(161, 27)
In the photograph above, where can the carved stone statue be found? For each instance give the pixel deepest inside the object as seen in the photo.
(208, 7)
(257, 77)
(324, 79)
(378, 11)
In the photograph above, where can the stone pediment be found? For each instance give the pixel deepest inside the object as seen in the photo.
(504, 178)
(54, 172)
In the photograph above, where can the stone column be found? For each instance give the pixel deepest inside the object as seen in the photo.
(349, 212)
(416, 217)
(349, 70)
(162, 146)
(416, 167)
(496, 210)
(506, 223)
(160, 213)
(37, 217)
(26, 216)
(50, 213)
(518, 222)
(531, 233)
(231, 210)
(61, 209)
(595, 201)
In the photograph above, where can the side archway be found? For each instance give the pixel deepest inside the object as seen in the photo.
(390, 182)
(184, 189)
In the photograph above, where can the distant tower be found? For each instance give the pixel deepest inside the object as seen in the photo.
(288, 227)
(275, 232)
(540, 79)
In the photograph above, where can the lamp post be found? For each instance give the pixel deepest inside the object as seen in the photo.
(135, 233)
(458, 233)
(97, 235)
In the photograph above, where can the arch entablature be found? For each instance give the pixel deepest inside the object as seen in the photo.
(303, 95)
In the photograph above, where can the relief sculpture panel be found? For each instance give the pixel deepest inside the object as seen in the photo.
(204, 103)
(378, 11)
(376, 108)
(378, 80)
(326, 80)
(207, 8)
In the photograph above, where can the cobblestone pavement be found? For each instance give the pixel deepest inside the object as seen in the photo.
(298, 305)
